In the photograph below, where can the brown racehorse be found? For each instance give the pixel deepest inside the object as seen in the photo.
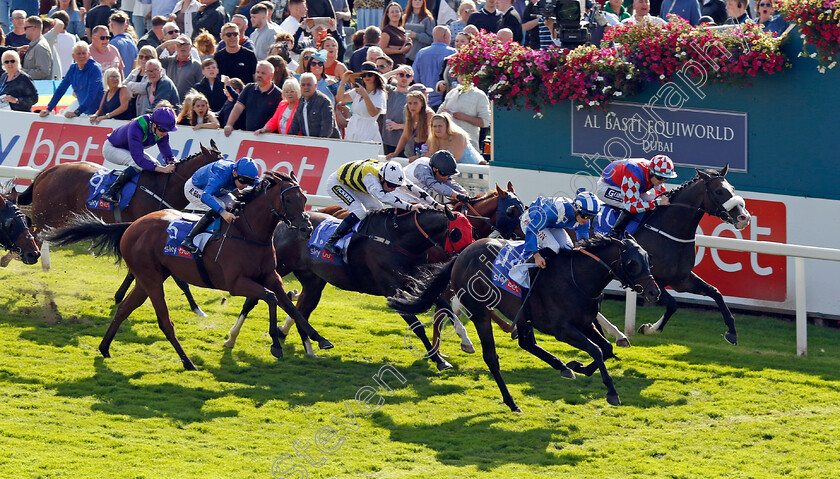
(14, 231)
(59, 193)
(245, 265)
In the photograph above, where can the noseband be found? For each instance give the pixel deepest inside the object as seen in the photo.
(12, 227)
(723, 210)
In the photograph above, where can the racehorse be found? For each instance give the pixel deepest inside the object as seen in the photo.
(59, 193)
(244, 265)
(668, 236)
(564, 300)
(377, 263)
(14, 230)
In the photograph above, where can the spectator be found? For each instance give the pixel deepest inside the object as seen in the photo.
(333, 66)
(368, 12)
(205, 44)
(182, 69)
(716, 9)
(86, 80)
(305, 57)
(297, 12)
(163, 8)
(689, 10)
(74, 26)
(105, 54)
(155, 36)
(198, 115)
(230, 6)
(429, 62)
(62, 42)
(767, 16)
(115, 101)
(264, 30)
(142, 10)
(99, 15)
(158, 88)
(38, 61)
(316, 67)
(419, 24)
(384, 64)
(448, 78)
(122, 41)
(416, 129)
(616, 7)
(510, 19)
(30, 7)
(315, 117)
(342, 17)
(17, 37)
(244, 9)
(393, 41)
(371, 37)
(233, 87)
(17, 91)
(446, 135)
(172, 39)
(211, 85)
(471, 29)
(641, 13)
(211, 17)
(470, 109)
(395, 108)
(466, 9)
(358, 39)
(145, 54)
(373, 53)
(182, 15)
(737, 12)
(504, 35)
(282, 119)
(282, 50)
(259, 100)
(242, 25)
(368, 103)
(235, 61)
(281, 70)
(539, 37)
(487, 18)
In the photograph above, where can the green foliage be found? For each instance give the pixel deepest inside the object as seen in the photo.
(693, 406)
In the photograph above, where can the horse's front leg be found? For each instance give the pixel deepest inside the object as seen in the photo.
(249, 288)
(620, 339)
(275, 284)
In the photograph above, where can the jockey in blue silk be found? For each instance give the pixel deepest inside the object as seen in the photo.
(626, 185)
(435, 175)
(546, 218)
(210, 189)
(360, 186)
(125, 146)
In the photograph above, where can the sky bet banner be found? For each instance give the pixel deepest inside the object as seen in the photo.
(691, 136)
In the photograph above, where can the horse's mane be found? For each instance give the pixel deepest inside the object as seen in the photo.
(477, 199)
(193, 156)
(270, 179)
(7, 188)
(673, 193)
(593, 242)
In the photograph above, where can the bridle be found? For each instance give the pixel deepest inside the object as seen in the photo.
(620, 273)
(422, 231)
(501, 214)
(282, 216)
(14, 224)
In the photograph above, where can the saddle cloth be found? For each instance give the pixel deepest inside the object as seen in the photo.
(179, 229)
(100, 181)
(510, 271)
(320, 236)
(606, 219)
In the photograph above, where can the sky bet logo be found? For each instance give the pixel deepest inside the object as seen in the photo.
(49, 144)
(172, 250)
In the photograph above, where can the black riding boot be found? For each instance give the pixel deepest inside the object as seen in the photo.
(341, 231)
(113, 193)
(617, 230)
(199, 227)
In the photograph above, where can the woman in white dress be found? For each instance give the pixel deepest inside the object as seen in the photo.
(368, 100)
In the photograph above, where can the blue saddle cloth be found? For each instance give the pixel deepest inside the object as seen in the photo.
(178, 230)
(320, 236)
(511, 256)
(100, 181)
(607, 217)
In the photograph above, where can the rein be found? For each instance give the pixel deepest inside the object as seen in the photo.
(429, 238)
(610, 270)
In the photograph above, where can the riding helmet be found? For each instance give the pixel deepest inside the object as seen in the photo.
(392, 172)
(246, 167)
(164, 117)
(586, 202)
(661, 165)
(444, 162)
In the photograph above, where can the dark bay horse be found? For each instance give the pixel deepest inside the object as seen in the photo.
(565, 299)
(60, 193)
(668, 236)
(246, 263)
(14, 230)
(374, 267)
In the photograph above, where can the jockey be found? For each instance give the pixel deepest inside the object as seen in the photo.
(435, 175)
(624, 184)
(546, 218)
(210, 189)
(360, 186)
(125, 146)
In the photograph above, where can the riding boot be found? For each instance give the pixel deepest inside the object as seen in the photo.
(199, 227)
(113, 193)
(341, 231)
(617, 230)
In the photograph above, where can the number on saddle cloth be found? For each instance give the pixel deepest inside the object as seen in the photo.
(99, 183)
(607, 217)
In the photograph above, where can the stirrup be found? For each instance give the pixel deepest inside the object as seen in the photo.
(110, 198)
(332, 248)
(189, 245)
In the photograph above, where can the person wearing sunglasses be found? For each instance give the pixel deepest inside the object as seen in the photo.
(38, 61)
(634, 186)
(234, 60)
(17, 90)
(210, 190)
(767, 16)
(127, 144)
(99, 15)
(103, 52)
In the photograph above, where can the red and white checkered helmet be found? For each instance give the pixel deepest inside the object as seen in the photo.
(661, 165)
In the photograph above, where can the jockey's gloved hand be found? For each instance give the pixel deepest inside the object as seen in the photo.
(463, 198)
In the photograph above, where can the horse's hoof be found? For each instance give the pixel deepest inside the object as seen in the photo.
(189, 366)
(277, 352)
(514, 334)
(645, 328)
(515, 408)
(105, 352)
(731, 338)
(467, 348)
(293, 294)
(229, 344)
(567, 374)
(613, 400)
(198, 312)
(623, 343)
(324, 343)
(443, 365)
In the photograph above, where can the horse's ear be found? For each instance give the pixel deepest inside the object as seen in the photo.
(204, 150)
(449, 214)
(725, 170)
(213, 145)
(13, 196)
(502, 193)
(510, 187)
(702, 174)
(292, 174)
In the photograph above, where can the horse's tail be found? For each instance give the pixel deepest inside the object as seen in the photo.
(433, 281)
(106, 237)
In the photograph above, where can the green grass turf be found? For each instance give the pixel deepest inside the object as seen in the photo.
(693, 405)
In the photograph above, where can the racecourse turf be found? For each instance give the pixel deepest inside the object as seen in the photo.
(693, 405)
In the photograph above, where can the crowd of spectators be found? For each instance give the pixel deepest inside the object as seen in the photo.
(292, 66)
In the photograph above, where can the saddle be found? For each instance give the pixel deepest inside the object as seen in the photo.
(99, 183)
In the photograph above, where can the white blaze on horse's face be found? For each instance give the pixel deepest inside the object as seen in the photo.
(736, 207)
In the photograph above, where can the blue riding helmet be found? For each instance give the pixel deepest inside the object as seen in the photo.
(587, 203)
(246, 167)
(164, 118)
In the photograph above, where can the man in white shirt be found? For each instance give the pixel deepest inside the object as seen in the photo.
(297, 12)
(641, 13)
(264, 31)
(469, 108)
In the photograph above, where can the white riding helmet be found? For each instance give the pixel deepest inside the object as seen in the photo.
(392, 172)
